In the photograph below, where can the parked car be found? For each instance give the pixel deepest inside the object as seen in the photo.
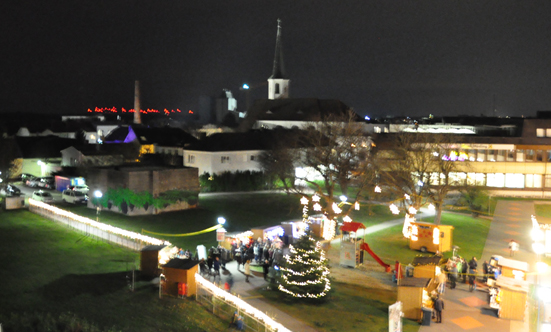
(43, 196)
(32, 181)
(47, 182)
(73, 196)
(26, 176)
(81, 188)
(12, 190)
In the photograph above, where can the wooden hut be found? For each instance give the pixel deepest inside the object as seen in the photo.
(513, 298)
(180, 271)
(510, 268)
(426, 267)
(428, 237)
(149, 260)
(414, 295)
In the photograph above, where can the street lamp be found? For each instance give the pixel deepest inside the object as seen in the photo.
(221, 220)
(247, 90)
(98, 194)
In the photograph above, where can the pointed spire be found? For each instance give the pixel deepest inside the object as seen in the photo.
(279, 69)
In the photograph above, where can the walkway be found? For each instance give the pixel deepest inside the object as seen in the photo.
(468, 311)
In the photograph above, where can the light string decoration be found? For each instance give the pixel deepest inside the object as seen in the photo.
(240, 304)
(123, 110)
(304, 273)
(93, 223)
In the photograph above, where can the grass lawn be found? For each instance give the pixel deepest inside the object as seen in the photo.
(47, 267)
(469, 234)
(350, 308)
(543, 210)
(242, 212)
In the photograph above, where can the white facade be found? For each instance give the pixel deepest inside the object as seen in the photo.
(222, 161)
(278, 88)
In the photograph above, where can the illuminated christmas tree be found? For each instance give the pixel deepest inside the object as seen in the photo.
(304, 273)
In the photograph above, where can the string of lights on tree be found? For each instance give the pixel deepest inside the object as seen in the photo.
(304, 273)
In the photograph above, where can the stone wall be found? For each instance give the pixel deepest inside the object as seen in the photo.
(155, 180)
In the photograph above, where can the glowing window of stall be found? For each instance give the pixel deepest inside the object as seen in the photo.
(518, 274)
(414, 233)
(278, 231)
(436, 236)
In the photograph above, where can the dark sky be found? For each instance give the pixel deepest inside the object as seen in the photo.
(379, 57)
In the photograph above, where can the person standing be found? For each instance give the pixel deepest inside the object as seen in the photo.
(485, 270)
(513, 246)
(216, 267)
(472, 273)
(438, 307)
(247, 270)
(442, 279)
(453, 276)
(464, 269)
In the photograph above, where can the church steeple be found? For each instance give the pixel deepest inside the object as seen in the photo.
(278, 83)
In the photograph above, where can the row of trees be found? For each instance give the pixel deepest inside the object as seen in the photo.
(335, 155)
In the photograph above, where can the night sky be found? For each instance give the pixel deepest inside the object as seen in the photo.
(403, 58)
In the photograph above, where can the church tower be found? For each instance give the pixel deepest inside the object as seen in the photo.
(278, 83)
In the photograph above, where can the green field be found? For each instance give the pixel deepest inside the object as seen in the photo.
(48, 268)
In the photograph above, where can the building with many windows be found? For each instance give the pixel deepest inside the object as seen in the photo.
(510, 157)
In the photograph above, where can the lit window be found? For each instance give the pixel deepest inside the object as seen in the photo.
(496, 180)
(377, 130)
(436, 236)
(530, 155)
(414, 233)
(520, 155)
(548, 132)
(540, 132)
(501, 155)
(514, 180)
(481, 156)
(534, 180)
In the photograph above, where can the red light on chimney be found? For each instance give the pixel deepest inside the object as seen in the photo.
(190, 112)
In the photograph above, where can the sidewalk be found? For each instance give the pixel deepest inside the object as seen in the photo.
(242, 288)
(469, 311)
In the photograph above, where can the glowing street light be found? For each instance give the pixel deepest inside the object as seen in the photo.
(221, 220)
(245, 86)
(343, 198)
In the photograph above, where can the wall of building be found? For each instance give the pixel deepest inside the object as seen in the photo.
(222, 161)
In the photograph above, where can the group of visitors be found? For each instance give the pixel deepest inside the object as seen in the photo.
(263, 253)
(458, 269)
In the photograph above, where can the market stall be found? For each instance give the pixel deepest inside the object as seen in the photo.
(428, 237)
(426, 267)
(414, 293)
(150, 257)
(180, 276)
(510, 268)
(508, 296)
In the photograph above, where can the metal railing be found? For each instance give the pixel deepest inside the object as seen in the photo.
(225, 305)
(86, 226)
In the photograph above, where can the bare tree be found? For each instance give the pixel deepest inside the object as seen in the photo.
(424, 167)
(9, 167)
(333, 154)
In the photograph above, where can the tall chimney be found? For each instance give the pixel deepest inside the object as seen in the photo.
(137, 116)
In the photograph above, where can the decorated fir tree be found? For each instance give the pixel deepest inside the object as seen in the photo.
(304, 273)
